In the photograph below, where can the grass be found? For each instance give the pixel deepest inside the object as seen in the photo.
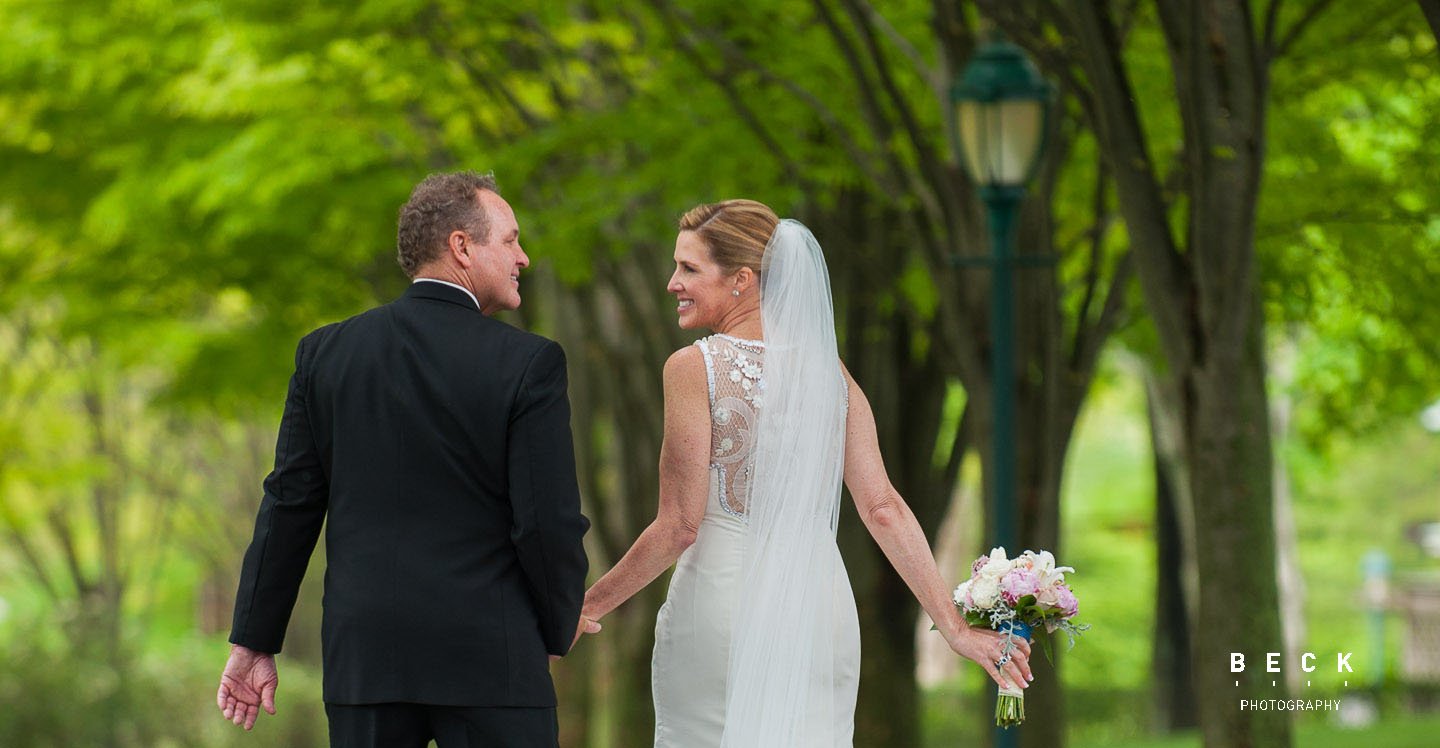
(1114, 719)
(1418, 731)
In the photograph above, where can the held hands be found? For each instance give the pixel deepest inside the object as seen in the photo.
(249, 681)
(983, 647)
(586, 625)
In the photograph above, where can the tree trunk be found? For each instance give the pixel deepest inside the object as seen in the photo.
(1174, 699)
(101, 630)
(1228, 449)
(1041, 460)
(887, 608)
(1049, 391)
(1288, 572)
(1432, 14)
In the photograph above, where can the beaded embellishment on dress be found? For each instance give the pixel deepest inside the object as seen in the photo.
(735, 374)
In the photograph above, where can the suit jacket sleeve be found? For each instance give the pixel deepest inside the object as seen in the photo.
(547, 528)
(291, 514)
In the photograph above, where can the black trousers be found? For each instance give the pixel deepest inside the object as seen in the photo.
(399, 725)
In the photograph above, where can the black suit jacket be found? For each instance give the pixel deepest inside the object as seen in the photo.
(438, 443)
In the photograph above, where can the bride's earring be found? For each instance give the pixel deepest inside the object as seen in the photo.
(736, 292)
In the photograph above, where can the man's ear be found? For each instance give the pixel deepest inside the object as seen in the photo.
(458, 243)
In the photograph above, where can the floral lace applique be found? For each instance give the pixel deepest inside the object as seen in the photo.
(735, 372)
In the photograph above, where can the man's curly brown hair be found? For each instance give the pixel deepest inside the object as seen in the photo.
(440, 204)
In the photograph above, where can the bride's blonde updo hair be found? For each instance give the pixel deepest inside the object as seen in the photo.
(735, 231)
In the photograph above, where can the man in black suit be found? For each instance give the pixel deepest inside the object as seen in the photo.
(436, 441)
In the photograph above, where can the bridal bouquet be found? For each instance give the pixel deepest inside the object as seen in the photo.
(1018, 596)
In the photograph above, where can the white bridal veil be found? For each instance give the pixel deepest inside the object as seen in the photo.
(781, 686)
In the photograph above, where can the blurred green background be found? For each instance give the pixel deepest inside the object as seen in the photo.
(188, 187)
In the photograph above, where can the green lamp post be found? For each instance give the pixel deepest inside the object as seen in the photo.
(1001, 105)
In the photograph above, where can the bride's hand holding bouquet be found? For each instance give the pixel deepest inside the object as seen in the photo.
(1013, 598)
(985, 648)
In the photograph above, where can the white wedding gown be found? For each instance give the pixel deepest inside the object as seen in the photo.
(693, 631)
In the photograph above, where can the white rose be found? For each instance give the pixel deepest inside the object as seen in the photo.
(960, 592)
(997, 566)
(985, 592)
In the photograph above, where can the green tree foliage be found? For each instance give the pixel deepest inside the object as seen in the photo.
(1349, 229)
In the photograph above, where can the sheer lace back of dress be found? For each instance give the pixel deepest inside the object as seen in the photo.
(735, 373)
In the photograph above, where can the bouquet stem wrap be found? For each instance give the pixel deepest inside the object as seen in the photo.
(1010, 704)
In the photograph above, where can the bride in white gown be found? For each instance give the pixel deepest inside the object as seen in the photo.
(758, 642)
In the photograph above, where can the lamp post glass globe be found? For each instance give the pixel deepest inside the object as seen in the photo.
(1001, 139)
(1001, 104)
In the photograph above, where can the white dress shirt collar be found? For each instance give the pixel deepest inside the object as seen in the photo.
(452, 285)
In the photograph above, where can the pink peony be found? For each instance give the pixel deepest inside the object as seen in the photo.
(978, 565)
(1066, 602)
(1018, 583)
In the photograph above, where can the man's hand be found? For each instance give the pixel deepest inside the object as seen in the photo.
(585, 626)
(248, 682)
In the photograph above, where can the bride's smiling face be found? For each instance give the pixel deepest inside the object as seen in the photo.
(701, 287)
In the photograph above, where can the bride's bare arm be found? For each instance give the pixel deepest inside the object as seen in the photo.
(684, 484)
(899, 535)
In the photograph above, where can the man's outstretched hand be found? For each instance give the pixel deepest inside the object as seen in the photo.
(248, 682)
